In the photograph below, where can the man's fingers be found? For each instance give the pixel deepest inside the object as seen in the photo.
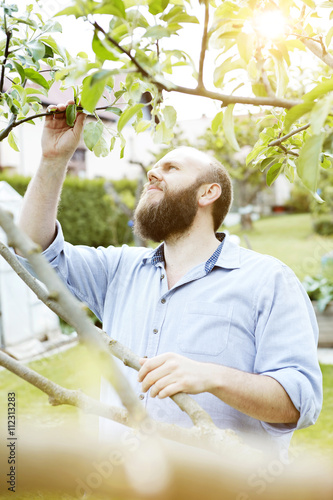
(155, 376)
(150, 364)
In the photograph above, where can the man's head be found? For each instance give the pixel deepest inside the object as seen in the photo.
(184, 182)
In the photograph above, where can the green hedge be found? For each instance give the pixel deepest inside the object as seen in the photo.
(87, 214)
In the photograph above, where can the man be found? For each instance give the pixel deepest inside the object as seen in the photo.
(230, 326)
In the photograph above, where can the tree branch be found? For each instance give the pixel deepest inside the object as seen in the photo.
(60, 396)
(318, 48)
(203, 46)
(6, 131)
(8, 37)
(76, 311)
(202, 91)
(278, 141)
(199, 417)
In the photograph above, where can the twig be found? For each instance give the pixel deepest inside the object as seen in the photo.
(76, 311)
(142, 70)
(61, 396)
(8, 37)
(203, 46)
(278, 141)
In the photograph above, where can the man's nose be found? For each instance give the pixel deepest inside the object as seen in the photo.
(154, 174)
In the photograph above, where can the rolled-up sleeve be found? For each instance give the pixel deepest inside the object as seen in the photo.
(286, 342)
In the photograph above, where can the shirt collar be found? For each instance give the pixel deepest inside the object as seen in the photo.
(229, 258)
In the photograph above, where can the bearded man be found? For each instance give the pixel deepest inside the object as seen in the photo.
(230, 326)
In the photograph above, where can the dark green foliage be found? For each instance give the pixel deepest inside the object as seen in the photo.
(323, 225)
(300, 200)
(87, 214)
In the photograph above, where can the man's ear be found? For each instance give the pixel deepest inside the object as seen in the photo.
(208, 194)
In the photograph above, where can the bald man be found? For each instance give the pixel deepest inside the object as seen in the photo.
(230, 326)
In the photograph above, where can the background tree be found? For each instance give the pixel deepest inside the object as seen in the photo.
(141, 42)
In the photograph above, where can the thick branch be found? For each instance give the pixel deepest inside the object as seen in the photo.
(59, 395)
(198, 416)
(318, 49)
(75, 310)
(203, 46)
(278, 142)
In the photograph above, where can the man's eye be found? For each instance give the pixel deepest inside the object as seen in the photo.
(172, 166)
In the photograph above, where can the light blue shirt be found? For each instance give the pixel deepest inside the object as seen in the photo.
(248, 311)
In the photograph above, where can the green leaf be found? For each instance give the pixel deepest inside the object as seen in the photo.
(319, 113)
(281, 77)
(273, 173)
(70, 11)
(256, 151)
(36, 77)
(157, 6)
(310, 3)
(170, 116)
(101, 51)
(157, 32)
(217, 122)
(329, 36)
(37, 50)
(318, 90)
(12, 141)
(113, 109)
(92, 133)
(58, 49)
(268, 162)
(101, 149)
(163, 134)
(296, 112)
(228, 127)
(245, 44)
(71, 114)
(113, 8)
(142, 125)
(228, 65)
(289, 172)
(20, 70)
(91, 94)
(127, 115)
(309, 160)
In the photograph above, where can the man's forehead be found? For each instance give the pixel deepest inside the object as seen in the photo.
(185, 157)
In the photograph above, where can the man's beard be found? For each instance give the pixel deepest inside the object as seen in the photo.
(169, 217)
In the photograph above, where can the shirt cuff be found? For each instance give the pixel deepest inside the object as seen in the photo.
(300, 390)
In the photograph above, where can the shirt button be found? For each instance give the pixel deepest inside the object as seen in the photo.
(162, 276)
(163, 301)
(155, 330)
(142, 396)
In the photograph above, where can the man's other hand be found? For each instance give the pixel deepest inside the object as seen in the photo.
(170, 373)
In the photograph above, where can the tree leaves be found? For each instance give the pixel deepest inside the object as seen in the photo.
(309, 160)
(127, 115)
(36, 77)
(91, 93)
(228, 127)
(92, 133)
(71, 114)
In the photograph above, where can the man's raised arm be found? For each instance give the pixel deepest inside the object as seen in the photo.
(40, 204)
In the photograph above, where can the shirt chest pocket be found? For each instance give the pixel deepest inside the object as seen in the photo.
(204, 328)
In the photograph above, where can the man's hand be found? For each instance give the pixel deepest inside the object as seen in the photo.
(59, 140)
(169, 373)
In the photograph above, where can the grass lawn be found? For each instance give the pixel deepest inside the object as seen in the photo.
(289, 238)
